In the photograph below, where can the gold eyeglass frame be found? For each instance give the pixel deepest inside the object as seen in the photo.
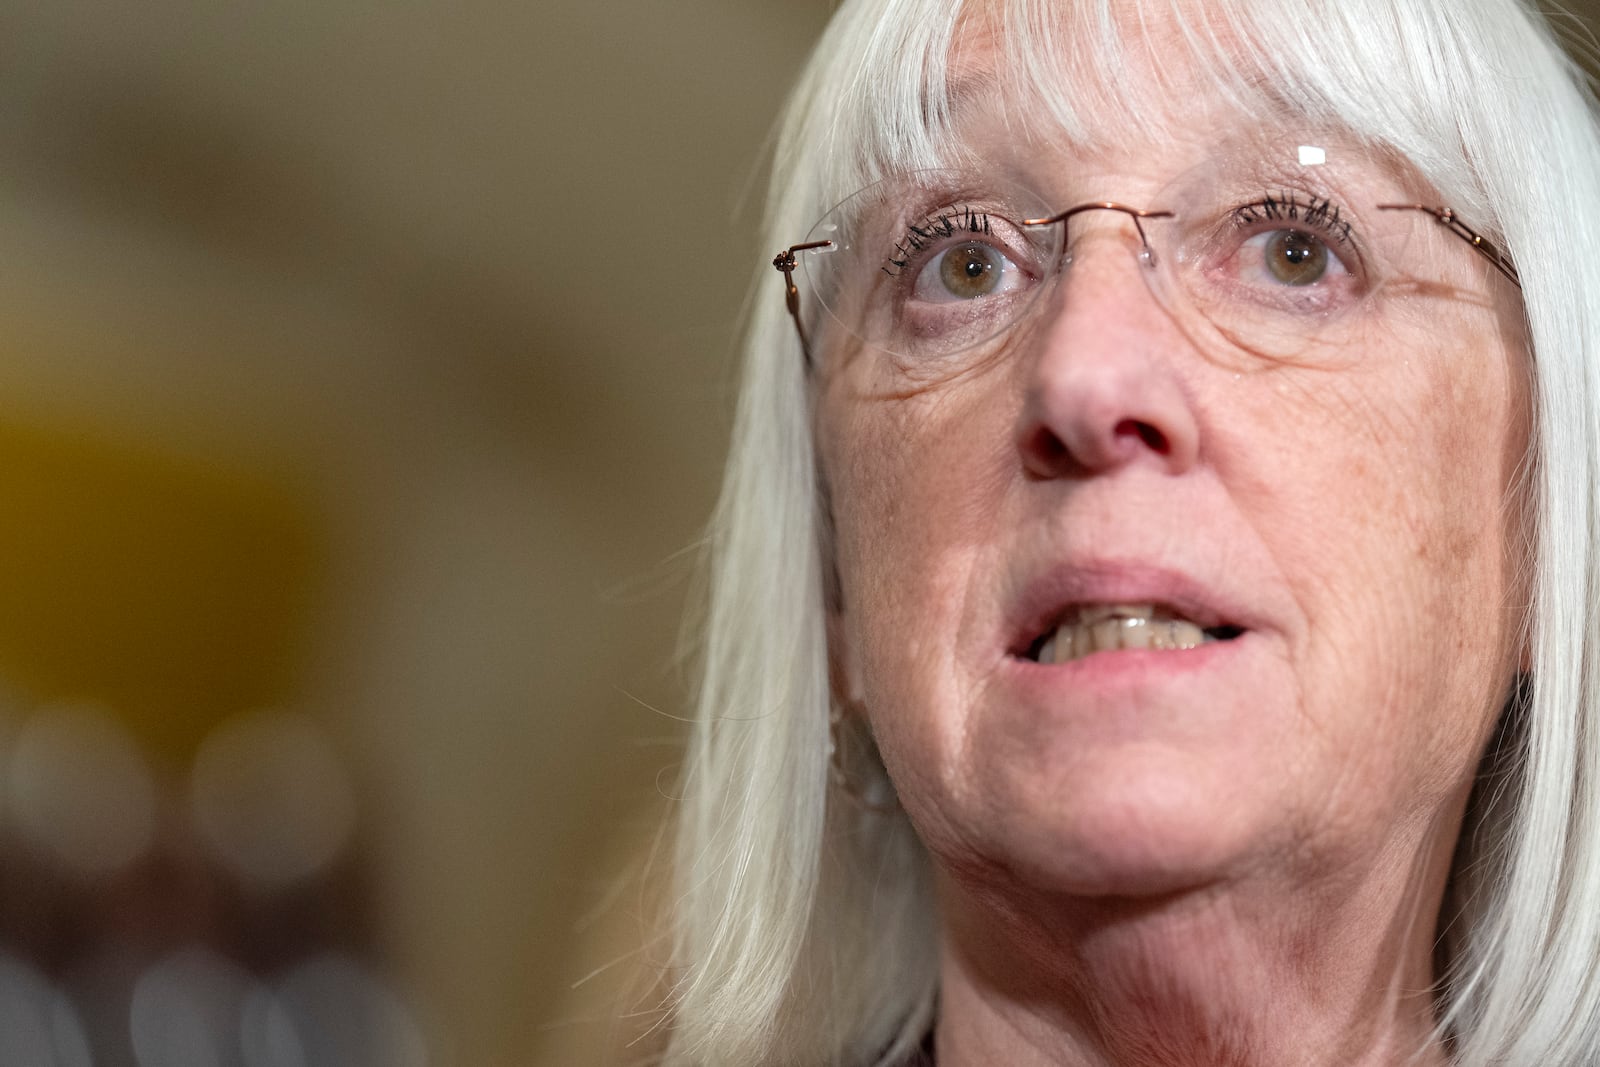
(786, 261)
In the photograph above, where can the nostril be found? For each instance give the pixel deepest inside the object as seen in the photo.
(1046, 453)
(1153, 439)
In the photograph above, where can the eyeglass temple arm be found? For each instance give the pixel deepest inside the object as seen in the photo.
(785, 262)
(1448, 219)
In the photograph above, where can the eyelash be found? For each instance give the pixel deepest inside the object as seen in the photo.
(942, 224)
(1316, 213)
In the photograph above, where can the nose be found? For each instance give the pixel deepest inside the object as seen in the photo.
(1102, 385)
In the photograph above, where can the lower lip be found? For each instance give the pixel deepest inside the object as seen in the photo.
(1127, 667)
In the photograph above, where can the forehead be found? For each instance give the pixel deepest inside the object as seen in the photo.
(1175, 80)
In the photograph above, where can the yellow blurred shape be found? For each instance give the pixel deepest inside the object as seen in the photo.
(173, 590)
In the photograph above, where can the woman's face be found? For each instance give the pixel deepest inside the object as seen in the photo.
(1340, 527)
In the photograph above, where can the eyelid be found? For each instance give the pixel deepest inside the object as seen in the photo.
(922, 240)
(995, 227)
(1330, 220)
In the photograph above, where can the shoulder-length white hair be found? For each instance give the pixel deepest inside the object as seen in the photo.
(804, 930)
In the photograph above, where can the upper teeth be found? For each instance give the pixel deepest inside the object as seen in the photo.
(1110, 627)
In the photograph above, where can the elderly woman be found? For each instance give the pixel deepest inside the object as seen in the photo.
(1151, 614)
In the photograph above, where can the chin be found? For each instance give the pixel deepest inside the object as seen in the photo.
(1143, 826)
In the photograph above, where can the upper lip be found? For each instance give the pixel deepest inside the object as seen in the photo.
(1051, 597)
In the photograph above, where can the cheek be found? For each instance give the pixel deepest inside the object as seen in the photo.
(1397, 540)
(914, 485)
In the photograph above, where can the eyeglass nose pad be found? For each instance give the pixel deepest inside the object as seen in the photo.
(1146, 255)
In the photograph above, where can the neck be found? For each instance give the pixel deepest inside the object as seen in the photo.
(1247, 973)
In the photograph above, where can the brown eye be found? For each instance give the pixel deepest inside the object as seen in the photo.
(1296, 258)
(970, 270)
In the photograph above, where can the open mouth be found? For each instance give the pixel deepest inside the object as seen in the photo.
(1086, 629)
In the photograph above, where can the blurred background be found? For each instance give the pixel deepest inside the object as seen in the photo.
(365, 370)
(364, 375)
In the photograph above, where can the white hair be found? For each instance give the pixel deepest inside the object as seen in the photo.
(803, 922)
